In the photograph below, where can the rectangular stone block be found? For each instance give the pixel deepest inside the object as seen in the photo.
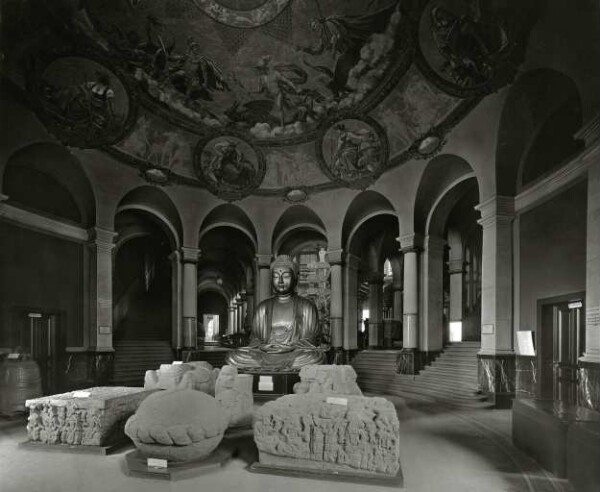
(95, 420)
(315, 431)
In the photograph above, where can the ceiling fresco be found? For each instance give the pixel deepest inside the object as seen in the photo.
(271, 97)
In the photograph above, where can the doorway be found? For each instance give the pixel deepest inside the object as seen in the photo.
(562, 343)
(211, 328)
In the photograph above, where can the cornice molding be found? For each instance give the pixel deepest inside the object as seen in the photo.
(555, 181)
(41, 223)
(590, 132)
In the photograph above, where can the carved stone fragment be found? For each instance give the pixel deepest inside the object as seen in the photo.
(192, 375)
(234, 393)
(93, 420)
(178, 425)
(332, 379)
(316, 431)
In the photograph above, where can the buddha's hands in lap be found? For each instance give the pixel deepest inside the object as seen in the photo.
(275, 348)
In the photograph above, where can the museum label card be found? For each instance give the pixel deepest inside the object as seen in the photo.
(337, 401)
(525, 342)
(177, 362)
(81, 394)
(265, 383)
(157, 463)
(13, 356)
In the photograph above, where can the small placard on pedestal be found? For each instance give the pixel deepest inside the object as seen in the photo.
(139, 465)
(265, 383)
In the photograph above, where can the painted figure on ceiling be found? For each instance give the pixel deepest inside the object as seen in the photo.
(469, 46)
(229, 165)
(343, 36)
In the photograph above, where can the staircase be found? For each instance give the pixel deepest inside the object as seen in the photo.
(134, 357)
(451, 378)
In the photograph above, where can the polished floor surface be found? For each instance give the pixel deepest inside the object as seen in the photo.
(442, 448)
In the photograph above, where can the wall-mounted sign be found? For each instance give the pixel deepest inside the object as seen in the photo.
(525, 342)
(104, 330)
(487, 329)
(575, 305)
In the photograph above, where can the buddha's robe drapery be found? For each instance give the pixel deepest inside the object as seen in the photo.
(282, 346)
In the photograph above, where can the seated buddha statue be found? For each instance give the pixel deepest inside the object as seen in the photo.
(285, 327)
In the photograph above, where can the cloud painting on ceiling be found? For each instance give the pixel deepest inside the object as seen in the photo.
(272, 70)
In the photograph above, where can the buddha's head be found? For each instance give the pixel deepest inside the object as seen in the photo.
(284, 275)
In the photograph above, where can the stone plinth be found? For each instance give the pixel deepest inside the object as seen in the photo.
(319, 432)
(327, 379)
(192, 375)
(96, 420)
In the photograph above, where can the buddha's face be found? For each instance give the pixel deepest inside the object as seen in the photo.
(283, 280)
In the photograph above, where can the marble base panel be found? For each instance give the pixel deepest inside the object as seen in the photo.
(588, 386)
(526, 377)
(408, 362)
(92, 417)
(496, 374)
(89, 368)
(412, 361)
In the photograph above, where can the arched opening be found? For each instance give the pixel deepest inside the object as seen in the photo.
(42, 260)
(369, 234)
(226, 278)
(541, 114)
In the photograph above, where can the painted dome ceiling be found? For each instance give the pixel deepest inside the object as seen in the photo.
(264, 97)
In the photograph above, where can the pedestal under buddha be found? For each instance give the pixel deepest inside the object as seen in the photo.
(285, 328)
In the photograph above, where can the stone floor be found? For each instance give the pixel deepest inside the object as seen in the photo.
(441, 449)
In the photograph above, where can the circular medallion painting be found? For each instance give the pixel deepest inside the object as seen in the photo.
(229, 167)
(353, 151)
(464, 45)
(83, 102)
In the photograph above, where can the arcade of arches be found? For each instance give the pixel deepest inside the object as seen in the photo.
(493, 238)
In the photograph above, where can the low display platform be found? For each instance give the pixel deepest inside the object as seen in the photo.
(561, 438)
(396, 481)
(270, 385)
(77, 448)
(137, 465)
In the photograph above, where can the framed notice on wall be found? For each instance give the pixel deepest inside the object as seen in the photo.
(525, 342)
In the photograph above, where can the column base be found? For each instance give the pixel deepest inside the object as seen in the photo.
(496, 374)
(588, 385)
(526, 376)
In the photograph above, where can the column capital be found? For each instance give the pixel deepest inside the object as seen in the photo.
(103, 240)
(497, 209)
(99, 235)
(410, 242)
(174, 255)
(435, 244)
(264, 261)
(456, 266)
(335, 256)
(189, 255)
(590, 132)
(352, 261)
